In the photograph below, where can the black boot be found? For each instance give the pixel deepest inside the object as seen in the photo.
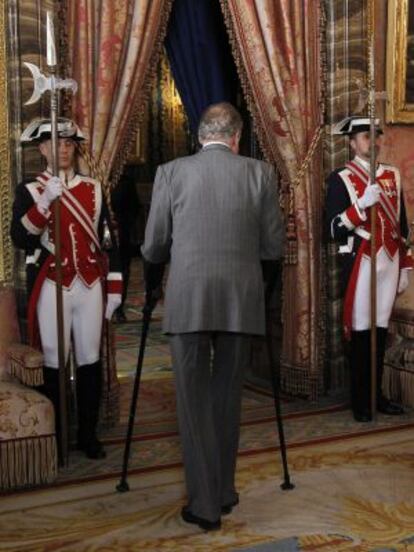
(120, 314)
(88, 394)
(384, 405)
(359, 359)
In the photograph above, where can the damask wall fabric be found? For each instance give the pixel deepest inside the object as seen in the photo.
(277, 49)
(346, 70)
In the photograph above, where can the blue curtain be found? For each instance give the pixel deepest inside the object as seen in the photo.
(200, 56)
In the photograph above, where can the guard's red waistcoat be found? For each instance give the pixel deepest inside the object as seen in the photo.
(388, 233)
(80, 207)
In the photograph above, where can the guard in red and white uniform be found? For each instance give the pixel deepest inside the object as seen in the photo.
(91, 277)
(349, 199)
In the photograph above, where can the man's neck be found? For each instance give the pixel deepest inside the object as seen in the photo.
(363, 161)
(64, 174)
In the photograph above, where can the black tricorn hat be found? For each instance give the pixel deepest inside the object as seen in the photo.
(353, 125)
(39, 130)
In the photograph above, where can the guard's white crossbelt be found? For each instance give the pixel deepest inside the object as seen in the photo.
(82, 315)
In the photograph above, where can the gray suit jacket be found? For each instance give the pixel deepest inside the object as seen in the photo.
(214, 215)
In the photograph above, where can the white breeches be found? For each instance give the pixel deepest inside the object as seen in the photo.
(387, 282)
(82, 317)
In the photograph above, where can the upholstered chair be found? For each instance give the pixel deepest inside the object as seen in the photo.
(398, 381)
(28, 451)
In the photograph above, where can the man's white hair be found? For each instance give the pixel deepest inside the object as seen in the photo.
(219, 121)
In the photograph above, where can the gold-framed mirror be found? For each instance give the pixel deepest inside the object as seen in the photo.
(6, 256)
(400, 62)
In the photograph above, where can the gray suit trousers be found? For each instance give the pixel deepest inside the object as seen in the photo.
(209, 369)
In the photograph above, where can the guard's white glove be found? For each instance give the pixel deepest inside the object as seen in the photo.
(403, 281)
(113, 302)
(370, 196)
(53, 190)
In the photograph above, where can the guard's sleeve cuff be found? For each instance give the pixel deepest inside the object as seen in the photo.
(34, 220)
(114, 282)
(353, 217)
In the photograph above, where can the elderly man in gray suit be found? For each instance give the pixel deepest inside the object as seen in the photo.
(215, 217)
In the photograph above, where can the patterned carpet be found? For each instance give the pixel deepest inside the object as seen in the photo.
(156, 443)
(353, 495)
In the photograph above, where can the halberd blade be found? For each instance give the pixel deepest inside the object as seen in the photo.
(41, 83)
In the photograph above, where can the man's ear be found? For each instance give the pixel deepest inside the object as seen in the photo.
(237, 138)
(234, 142)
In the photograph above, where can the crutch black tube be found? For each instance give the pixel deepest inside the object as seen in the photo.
(123, 486)
(271, 273)
(153, 275)
(275, 379)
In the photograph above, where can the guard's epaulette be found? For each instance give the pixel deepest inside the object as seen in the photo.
(28, 180)
(388, 167)
(26, 184)
(336, 172)
(86, 178)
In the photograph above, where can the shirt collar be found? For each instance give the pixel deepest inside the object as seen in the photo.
(64, 176)
(216, 143)
(367, 165)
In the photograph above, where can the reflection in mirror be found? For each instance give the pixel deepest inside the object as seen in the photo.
(409, 81)
(400, 61)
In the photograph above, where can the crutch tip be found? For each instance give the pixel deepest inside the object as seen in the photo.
(287, 486)
(122, 487)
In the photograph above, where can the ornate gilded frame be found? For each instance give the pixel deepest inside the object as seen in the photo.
(138, 155)
(6, 251)
(398, 109)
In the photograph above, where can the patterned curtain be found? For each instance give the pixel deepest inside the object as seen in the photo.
(113, 51)
(277, 46)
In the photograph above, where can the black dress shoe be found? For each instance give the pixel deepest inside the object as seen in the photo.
(94, 449)
(387, 407)
(227, 508)
(362, 417)
(205, 524)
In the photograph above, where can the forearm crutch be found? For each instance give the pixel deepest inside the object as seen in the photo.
(123, 486)
(275, 379)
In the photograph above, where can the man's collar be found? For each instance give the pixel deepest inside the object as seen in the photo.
(214, 144)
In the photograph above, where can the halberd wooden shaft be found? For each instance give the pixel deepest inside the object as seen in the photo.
(63, 378)
(373, 214)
